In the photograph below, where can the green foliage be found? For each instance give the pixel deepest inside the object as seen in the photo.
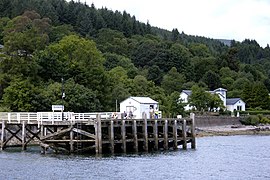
(198, 98)
(173, 81)
(107, 55)
(256, 119)
(251, 120)
(175, 106)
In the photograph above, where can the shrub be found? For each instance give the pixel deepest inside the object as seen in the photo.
(264, 120)
(251, 120)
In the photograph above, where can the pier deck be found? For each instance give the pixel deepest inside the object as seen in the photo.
(94, 132)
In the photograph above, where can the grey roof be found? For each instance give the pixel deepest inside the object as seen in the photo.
(188, 92)
(232, 101)
(144, 100)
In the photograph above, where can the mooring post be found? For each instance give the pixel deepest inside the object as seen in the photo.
(123, 134)
(155, 131)
(193, 134)
(23, 136)
(145, 133)
(71, 142)
(166, 134)
(111, 135)
(184, 134)
(3, 135)
(135, 136)
(175, 135)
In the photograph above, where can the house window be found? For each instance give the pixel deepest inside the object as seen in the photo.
(239, 108)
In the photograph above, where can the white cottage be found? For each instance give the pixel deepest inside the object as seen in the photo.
(235, 104)
(138, 105)
(229, 103)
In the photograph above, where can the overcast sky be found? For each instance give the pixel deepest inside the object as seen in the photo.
(222, 19)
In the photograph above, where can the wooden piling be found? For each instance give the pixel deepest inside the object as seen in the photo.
(145, 133)
(3, 135)
(193, 134)
(111, 136)
(71, 142)
(165, 129)
(155, 131)
(23, 136)
(135, 137)
(123, 134)
(184, 134)
(175, 135)
(98, 133)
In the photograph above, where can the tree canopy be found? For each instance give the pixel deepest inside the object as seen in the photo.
(106, 55)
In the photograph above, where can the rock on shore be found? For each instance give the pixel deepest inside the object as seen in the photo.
(230, 130)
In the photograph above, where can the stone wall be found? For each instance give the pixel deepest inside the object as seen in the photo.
(208, 121)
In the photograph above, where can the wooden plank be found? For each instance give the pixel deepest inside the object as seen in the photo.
(111, 136)
(56, 133)
(184, 134)
(175, 135)
(123, 135)
(165, 129)
(85, 133)
(135, 136)
(155, 130)
(193, 134)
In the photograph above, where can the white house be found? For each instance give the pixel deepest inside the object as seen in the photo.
(235, 104)
(222, 93)
(138, 105)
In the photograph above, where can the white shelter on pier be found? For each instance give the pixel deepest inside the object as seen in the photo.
(138, 105)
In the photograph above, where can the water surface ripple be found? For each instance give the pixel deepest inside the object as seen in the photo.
(230, 157)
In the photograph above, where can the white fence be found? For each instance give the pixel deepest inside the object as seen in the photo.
(34, 117)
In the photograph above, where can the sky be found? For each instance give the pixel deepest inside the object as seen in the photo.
(218, 19)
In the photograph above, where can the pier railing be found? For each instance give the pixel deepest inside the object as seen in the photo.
(40, 117)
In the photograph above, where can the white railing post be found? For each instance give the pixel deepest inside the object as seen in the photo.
(18, 117)
(9, 117)
(28, 117)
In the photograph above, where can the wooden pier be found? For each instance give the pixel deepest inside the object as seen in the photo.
(94, 132)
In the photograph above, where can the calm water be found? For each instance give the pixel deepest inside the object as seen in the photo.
(232, 157)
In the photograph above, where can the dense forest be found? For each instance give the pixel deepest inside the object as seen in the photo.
(100, 56)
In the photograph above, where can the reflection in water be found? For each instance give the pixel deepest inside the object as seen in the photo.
(231, 157)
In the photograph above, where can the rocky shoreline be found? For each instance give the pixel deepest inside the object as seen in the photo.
(231, 130)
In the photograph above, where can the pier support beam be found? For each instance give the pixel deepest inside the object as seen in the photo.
(145, 133)
(175, 134)
(23, 136)
(193, 134)
(71, 142)
(3, 135)
(155, 131)
(111, 136)
(184, 134)
(98, 133)
(135, 136)
(123, 134)
(165, 129)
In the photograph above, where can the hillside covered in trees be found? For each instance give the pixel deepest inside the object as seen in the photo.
(104, 56)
